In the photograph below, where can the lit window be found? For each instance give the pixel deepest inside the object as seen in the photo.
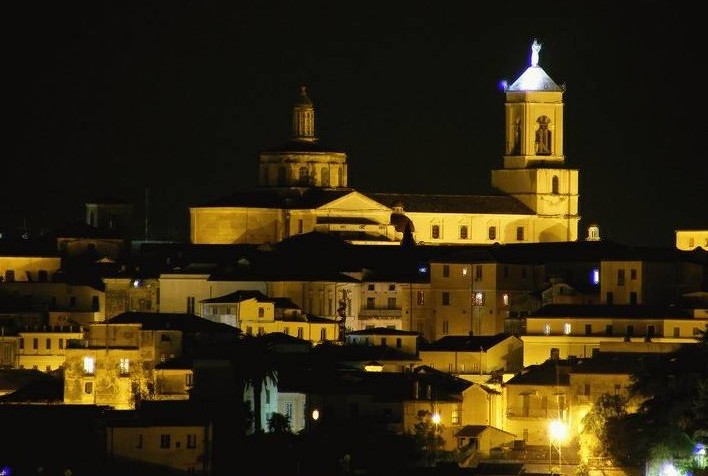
(547, 329)
(566, 328)
(456, 413)
(420, 298)
(445, 327)
(89, 365)
(505, 299)
(464, 271)
(479, 298)
(446, 271)
(595, 277)
(124, 366)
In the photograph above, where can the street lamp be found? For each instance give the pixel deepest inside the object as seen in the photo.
(557, 432)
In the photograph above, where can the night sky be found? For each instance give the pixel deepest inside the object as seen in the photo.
(177, 98)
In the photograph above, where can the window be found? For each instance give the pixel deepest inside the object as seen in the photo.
(477, 272)
(445, 327)
(555, 189)
(492, 232)
(370, 303)
(191, 440)
(630, 331)
(519, 233)
(620, 277)
(391, 287)
(124, 366)
(261, 330)
(446, 271)
(261, 312)
(479, 298)
(586, 389)
(165, 441)
(610, 299)
(420, 298)
(323, 334)
(94, 303)
(303, 176)
(72, 301)
(505, 299)
(370, 287)
(633, 274)
(300, 333)
(618, 389)
(189, 380)
(383, 342)
(399, 343)
(300, 226)
(88, 388)
(139, 443)
(464, 271)
(190, 304)
(463, 232)
(456, 414)
(286, 331)
(35, 343)
(566, 328)
(445, 298)
(22, 343)
(249, 330)
(48, 343)
(267, 396)
(588, 329)
(677, 332)
(608, 330)
(89, 365)
(392, 303)
(633, 298)
(595, 276)
(435, 233)
(61, 343)
(547, 329)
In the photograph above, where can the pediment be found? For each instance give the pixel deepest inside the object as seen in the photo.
(354, 201)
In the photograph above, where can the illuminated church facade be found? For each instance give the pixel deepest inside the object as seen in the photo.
(303, 187)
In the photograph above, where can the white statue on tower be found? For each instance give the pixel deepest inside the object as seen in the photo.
(535, 48)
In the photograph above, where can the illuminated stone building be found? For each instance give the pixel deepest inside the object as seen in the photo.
(303, 187)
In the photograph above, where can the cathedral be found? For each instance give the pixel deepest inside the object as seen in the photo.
(303, 187)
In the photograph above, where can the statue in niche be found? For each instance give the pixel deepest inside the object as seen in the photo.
(543, 136)
(535, 48)
(516, 139)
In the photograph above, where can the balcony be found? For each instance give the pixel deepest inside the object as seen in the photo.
(384, 313)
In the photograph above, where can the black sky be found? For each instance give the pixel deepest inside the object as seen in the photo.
(178, 98)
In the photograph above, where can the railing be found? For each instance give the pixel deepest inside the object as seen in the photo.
(384, 313)
(522, 412)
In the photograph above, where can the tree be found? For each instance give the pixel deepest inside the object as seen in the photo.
(255, 366)
(672, 416)
(279, 423)
(594, 438)
(427, 437)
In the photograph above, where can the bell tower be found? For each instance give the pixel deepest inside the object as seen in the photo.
(534, 165)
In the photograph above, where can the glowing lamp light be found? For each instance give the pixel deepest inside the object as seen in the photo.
(436, 418)
(373, 367)
(5, 471)
(315, 414)
(558, 430)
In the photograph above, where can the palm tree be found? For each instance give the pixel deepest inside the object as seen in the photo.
(255, 366)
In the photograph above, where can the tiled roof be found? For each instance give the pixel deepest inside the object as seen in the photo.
(280, 198)
(172, 321)
(465, 342)
(430, 203)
